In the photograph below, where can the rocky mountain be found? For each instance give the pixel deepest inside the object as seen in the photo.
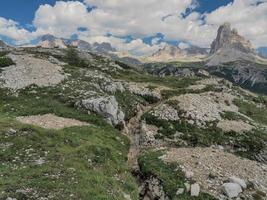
(50, 41)
(234, 58)
(229, 46)
(174, 53)
(230, 39)
(75, 124)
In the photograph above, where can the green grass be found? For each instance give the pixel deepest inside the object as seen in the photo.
(80, 163)
(5, 62)
(171, 177)
(259, 114)
(172, 82)
(233, 116)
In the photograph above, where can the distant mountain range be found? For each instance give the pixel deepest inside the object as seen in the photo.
(50, 41)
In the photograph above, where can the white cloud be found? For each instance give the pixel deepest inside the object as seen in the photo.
(247, 16)
(136, 47)
(141, 18)
(11, 29)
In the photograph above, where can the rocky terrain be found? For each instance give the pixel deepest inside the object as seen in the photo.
(173, 53)
(79, 125)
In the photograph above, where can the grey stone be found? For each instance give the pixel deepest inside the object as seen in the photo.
(195, 190)
(239, 181)
(105, 106)
(180, 191)
(231, 189)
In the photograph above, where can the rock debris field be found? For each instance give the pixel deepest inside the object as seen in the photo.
(30, 70)
(211, 168)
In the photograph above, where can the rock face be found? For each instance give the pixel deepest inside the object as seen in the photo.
(106, 106)
(229, 46)
(229, 38)
(174, 53)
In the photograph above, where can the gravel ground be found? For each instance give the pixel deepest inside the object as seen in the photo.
(29, 70)
(211, 167)
(237, 126)
(51, 121)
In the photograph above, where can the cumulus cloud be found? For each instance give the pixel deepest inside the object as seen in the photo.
(249, 17)
(12, 30)
(136, 47)
(175, 19)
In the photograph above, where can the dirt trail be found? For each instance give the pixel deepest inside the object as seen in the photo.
(132, 131)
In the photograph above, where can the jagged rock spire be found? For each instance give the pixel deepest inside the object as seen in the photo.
(229, 38)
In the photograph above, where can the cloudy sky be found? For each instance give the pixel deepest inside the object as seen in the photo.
(138, 26)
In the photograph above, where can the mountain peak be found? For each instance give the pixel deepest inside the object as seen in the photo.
(229, 38)
(2, 44)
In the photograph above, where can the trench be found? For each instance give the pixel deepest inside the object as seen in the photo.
(133, 131)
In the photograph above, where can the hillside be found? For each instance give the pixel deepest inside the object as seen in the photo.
(77, 125)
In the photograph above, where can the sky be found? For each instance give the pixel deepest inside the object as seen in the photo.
(139, 27)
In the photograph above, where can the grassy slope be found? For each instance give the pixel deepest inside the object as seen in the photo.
(81, 162)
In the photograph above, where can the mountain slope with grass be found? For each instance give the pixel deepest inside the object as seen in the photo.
(79, 125)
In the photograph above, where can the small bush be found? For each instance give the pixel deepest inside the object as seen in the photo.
(5, 62)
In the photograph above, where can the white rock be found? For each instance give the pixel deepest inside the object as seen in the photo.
(195, 190)
(180, 191)
(231, 189)
(106, 106)
(239, 181)
(187, 187)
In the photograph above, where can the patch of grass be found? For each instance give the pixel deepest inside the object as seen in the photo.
(5, 62)
(79, 163)
(42, 101)
(259, 114)
(232, 116)
(171, 177)
(172, 82)
(3, 53)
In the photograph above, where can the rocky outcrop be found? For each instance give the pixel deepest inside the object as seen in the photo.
(229, 38)
(229, 46)
(105, 106)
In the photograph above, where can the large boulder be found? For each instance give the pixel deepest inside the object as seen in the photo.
(105, 106)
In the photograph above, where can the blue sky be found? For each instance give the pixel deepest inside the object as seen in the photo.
(132, 25)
